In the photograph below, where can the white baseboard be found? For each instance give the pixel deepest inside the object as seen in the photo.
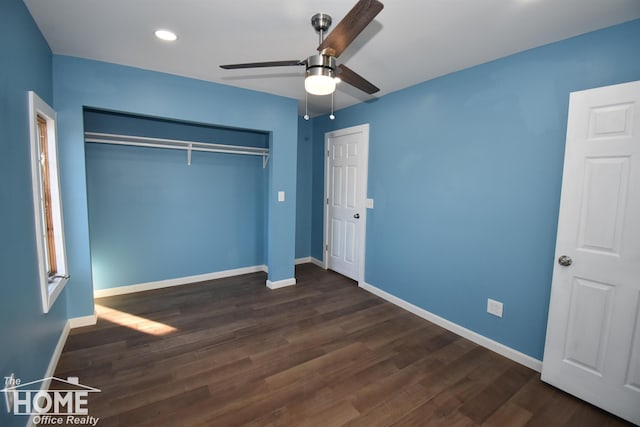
(310, 259)
(72, 323)
(281, 283)
(57, 352)
(79, 322)
(120, 290)
(492, 345)
(53, 363)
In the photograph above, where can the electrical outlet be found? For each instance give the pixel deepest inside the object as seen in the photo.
(9, 381)
(494, 307)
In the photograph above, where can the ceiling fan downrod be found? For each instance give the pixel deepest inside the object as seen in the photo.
(321, 22)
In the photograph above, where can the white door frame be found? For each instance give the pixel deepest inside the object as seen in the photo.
(364, 129)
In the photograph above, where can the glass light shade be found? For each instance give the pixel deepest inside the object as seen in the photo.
(319, 84)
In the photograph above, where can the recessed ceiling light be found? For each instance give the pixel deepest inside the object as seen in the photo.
(166, 35)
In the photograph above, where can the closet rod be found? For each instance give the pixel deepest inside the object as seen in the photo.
(175, 144)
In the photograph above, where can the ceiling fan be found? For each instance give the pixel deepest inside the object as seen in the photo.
(321, 69)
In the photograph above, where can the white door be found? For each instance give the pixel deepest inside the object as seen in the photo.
(346, 187)
(592, 348)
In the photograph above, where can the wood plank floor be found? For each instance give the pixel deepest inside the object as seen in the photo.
(322, 353)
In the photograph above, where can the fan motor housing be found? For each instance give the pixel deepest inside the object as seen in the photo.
(320, 64)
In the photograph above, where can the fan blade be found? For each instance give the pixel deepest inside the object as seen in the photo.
(351, 25)
(264, 64)
(347, 75)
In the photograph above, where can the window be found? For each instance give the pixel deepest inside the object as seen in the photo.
(52, 262)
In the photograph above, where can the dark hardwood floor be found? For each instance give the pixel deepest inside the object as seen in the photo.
(322, 353)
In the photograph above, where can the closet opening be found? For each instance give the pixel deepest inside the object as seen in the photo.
(164, 213)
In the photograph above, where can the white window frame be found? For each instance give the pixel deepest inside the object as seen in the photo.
(50, 287)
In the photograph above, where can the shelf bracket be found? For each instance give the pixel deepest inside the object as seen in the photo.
(265, 161)
(189, 148)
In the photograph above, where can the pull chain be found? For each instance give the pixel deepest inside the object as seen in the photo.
(331, 116)
(306, 105)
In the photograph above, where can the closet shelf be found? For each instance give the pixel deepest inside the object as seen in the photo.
(175, 144)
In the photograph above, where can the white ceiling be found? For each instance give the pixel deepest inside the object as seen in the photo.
(410, 41)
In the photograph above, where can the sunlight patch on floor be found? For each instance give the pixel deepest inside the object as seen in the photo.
(132, 321)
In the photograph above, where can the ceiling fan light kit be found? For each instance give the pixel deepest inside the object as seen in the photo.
(320, 77)
(322, 73)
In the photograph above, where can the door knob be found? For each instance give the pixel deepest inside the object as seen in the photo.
(565, 261)
(356, 216)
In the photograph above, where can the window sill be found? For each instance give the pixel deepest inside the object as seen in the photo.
(54, 289)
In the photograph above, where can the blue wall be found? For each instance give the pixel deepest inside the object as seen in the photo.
(304, 182)
(153, 217)
(80, 83)
(466, 172)
(27, 336)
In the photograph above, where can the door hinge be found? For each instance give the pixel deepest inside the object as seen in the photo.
(327, 153)
(327, 200)
(326, 247)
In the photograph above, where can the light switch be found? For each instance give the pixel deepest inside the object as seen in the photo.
(369, 203)
(281, 196)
